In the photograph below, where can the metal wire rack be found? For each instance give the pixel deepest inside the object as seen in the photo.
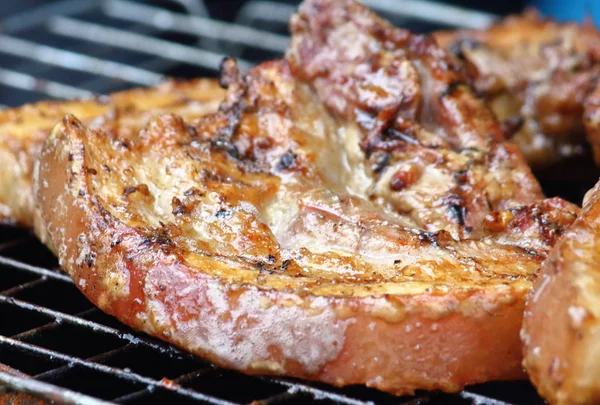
(68, 351)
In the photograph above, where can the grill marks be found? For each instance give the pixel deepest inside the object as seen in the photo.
(420, 121)
(278, 237)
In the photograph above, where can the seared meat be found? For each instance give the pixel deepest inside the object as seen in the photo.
(437, 153)
(561, 329)
(260, 237)
(23, 130)
(535, 75)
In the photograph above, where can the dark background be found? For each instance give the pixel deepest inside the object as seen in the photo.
(226, 8)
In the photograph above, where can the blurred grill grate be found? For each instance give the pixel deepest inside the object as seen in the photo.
(74, 353)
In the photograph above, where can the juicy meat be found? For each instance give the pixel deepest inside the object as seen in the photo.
(260, 237)
(561, 329)
(535, 74)
(23, 130)
(437, 153)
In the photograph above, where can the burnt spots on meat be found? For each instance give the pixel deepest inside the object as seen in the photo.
(461, 176)
(178, 207)
(404, 177)
(106, 168)
(398, 182)
(458, 212)
(271, 259)
(382, 160)
(140, 188)
(225, 144)
(232, 107)
(223, 213)
(160, 238)
(393, 133)
(193, 192)
(285, 264)
(387, 140)
(287, 161)
(81, 192)
(90, 259)
(91, 171)
(192, 131)
(511, 126)
(458, 47)
(452, 87)
(456, 206)
(428, 238)
(115, 242)
(263, 268)
(129, 190)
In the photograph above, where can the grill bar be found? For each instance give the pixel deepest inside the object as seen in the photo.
(77, 61)
(141, 393)
(125, 375)
(54, 89)
(49, 391)
(12, 291)
(6, 261)
(202, 27)
(95, 327)
(138, 43)
(434, 12)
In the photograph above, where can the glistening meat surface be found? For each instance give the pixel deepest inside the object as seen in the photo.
(536, 75)
(256, 237)
(23, 131)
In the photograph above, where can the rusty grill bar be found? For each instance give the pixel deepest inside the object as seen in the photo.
(73, 353)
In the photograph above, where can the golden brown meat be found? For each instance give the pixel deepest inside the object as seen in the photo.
(535, 74)
(438, 153)
(561, 329)
(23, 130)
(256, 237)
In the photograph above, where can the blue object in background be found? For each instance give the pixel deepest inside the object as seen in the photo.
(569, 10)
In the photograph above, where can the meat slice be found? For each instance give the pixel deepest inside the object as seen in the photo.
(535, 74)
(23, 130)
(437, 153)
(561, 329)
(252, 237)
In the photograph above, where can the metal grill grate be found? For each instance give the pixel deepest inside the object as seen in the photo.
(73, 352)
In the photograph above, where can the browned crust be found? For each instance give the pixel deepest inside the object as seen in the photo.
(536, 72)
(194, 249)
(24, 129)
(400, 352)
(561, 329)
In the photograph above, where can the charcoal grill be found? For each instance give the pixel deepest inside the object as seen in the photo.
(67, 350)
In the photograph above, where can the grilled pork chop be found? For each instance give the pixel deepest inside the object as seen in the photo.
(23, 130)
(561, 329)
(535, 74)
(262, 239)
